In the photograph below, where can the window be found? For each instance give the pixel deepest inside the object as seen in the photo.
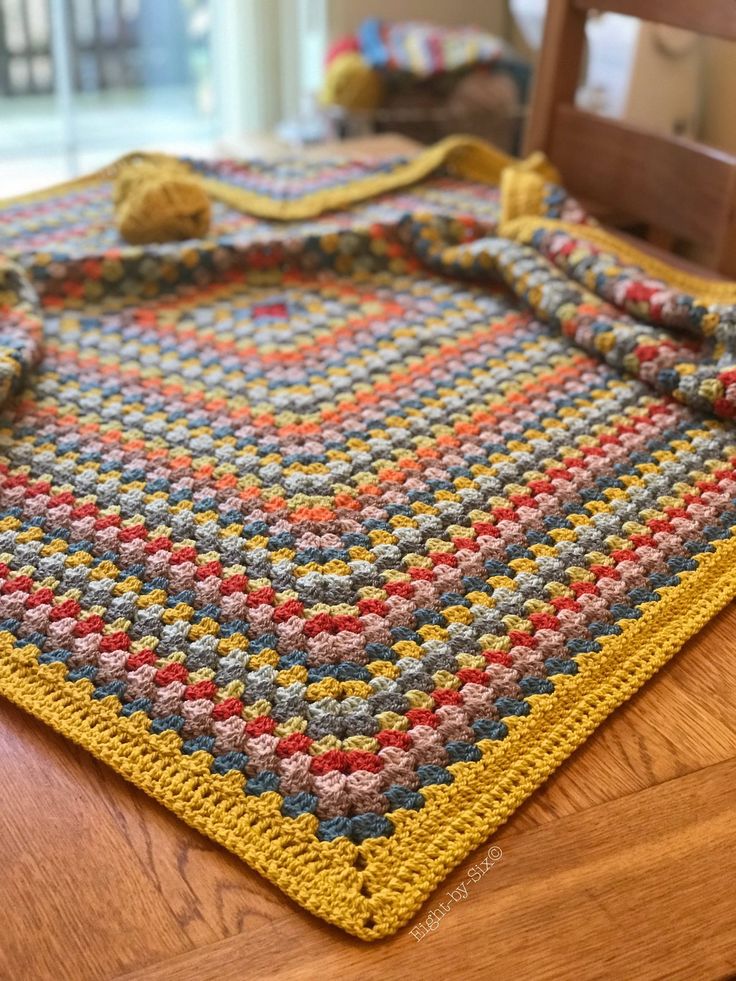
(80, 79)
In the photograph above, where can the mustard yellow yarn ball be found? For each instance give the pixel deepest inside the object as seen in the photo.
(159, 201)
(350, 82)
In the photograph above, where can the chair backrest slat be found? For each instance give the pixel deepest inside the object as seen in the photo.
(677, 186)
(660, 192)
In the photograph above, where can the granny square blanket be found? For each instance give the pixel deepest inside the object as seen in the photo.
(337, 531)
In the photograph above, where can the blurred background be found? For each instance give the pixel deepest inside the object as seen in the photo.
(83, 81)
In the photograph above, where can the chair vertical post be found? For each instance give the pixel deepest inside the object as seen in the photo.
(725, 258)
(558, 70)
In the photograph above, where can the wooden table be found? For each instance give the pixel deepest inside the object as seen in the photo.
(622, 866)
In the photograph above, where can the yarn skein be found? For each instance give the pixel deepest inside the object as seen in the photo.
(159, 201)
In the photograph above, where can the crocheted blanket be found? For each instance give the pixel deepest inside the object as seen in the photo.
(337, 536)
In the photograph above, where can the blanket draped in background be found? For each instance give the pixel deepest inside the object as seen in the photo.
(337, 531)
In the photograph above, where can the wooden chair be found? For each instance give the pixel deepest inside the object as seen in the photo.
(674, 186)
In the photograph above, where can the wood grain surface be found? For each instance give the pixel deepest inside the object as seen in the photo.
(622, 866)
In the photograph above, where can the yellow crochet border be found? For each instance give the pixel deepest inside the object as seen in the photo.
(373, 889)
(472, 158)
(465, 156)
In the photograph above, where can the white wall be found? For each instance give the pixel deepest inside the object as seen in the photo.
(719, 115)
